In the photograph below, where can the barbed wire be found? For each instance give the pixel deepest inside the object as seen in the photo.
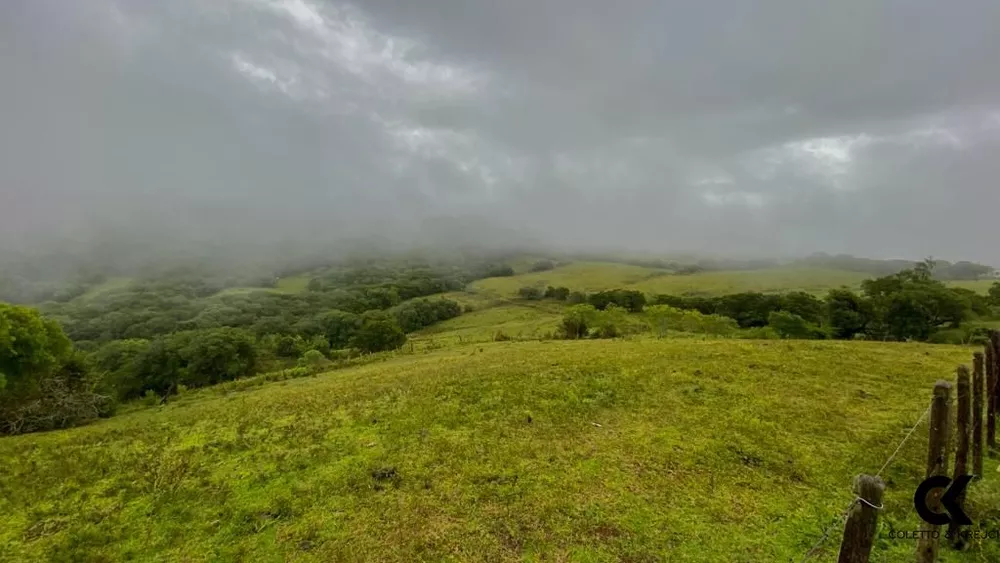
(814, 550)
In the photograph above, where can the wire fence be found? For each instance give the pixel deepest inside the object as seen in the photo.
(839, 523)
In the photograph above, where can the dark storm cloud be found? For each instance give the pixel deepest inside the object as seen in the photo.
(759, 127)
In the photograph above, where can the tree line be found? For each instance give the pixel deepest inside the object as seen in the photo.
(908, 305)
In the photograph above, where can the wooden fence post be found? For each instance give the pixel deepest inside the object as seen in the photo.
(859, 531)
(995, 346)
(991, 403)
(937, 464)
(977, 415)
(961, 445)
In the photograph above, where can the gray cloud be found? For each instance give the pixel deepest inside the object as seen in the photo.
(771, 127)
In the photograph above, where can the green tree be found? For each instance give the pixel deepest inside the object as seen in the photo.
(994, 294)
(577, 321)
(913, 305)
(847, 313)
(115, 362)
(218, 355)
(542, 266)
(803, 304)
(44, 383)
(629, 299)
(530, 293)
(31, 348)
(378, 333)
(313, 359)
(790, 325)
(338, 327)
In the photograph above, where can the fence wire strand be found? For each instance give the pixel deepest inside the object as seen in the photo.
(839, 523)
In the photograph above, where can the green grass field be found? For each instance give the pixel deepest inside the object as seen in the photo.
(979, 286)
(578, 276)
(515, 320)
(644, 450)
(597, 276)
(293, 284)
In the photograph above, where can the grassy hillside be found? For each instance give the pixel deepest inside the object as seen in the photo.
(979, 286)
(812, 280)
(515, 320)
(578, 276)
(644, 450)
(596, 276)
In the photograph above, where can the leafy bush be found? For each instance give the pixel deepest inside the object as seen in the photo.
(661, 318)
(313, 360)
(542, 266)
(530, 293)
(576, 298)
(790, 325)
(577, 321)
(557, 293)
(610, 323)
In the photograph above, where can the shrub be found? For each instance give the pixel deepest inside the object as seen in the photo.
(312, 359)
(318, 344)
(577, 321)
(531, 293)
(557, 293)
(289, 347)
(576, 298)
(789, 325)
(542, 266)
(661, 318)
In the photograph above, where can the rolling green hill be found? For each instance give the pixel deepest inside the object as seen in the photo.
(597, 276)
(644, 450)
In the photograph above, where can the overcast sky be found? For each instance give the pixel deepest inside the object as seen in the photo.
(758, 127)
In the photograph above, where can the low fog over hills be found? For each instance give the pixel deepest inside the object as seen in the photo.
(249, 129)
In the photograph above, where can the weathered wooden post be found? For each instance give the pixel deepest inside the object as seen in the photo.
(961, 446)
(991, 403)
(995, 345)
(859, 531)
(977, 415)
(937, 464)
